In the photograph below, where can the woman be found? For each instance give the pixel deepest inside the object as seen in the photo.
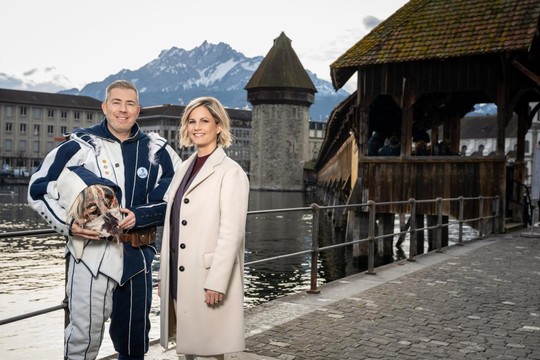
(202, 255)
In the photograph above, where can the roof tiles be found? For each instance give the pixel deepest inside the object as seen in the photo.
(435, 29)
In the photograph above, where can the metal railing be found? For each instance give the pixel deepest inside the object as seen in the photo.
(315, 250)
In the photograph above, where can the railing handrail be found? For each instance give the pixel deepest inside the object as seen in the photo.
(315, 249)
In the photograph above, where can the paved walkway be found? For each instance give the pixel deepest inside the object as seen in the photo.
(477, 301)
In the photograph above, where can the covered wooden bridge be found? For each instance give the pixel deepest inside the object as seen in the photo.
(420, 71)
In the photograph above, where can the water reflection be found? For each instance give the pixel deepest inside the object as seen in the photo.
(276, 234)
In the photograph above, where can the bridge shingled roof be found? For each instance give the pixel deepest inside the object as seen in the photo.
(438, 29)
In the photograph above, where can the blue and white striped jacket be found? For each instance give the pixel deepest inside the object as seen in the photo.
(142, 166)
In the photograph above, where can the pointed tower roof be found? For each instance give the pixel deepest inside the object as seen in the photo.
(280, 69)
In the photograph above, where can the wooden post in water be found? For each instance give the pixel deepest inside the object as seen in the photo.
(384, 245)
(357, 228)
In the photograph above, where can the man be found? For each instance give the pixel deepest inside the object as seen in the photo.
(107, 278)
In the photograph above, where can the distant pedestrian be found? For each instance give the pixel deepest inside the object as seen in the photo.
(479, 152)
(391, 148)
(374, 144)
(420, 148)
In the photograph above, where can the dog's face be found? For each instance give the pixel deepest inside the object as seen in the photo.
(96, 208)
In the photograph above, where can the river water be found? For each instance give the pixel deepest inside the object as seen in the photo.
(33, 268)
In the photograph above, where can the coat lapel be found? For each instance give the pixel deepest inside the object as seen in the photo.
(208, 168)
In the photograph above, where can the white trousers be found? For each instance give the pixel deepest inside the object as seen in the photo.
(90, 306)
(196, 357)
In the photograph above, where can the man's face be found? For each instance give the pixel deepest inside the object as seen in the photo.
(121, 110)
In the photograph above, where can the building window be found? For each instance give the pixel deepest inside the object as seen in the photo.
(89, 116)
(22, 146)
(36, 113)
(9, 111)
(77, 115)
(8, 145)
(50, 146)
(22, 128)
(63, 129)
(9, 127)
(23, 110)
(50, 129)
(50, 113)
(36, 129)
(35, 147)
(63, 114)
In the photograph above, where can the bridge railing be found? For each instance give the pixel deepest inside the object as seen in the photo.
(315, 249)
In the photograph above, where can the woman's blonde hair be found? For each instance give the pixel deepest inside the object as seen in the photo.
(218, 112)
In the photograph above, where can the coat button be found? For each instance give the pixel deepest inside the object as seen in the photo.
(184, 222)
(182, 246)
(186, 201)
(181, 268)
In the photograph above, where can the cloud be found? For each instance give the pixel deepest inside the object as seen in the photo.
(370, 22)
(10, 82)
(42, 80)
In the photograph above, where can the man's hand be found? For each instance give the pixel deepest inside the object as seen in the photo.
(129, 220)
(76, 230)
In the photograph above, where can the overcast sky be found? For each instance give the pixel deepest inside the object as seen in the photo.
(48, 45)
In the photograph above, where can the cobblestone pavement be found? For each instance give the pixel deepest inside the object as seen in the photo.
(484, 304)
(477, 301)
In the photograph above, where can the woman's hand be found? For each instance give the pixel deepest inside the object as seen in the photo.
(212, 297)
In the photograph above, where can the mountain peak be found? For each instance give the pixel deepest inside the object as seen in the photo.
(179, 75)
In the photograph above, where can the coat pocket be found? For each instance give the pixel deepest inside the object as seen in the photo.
(208, 257)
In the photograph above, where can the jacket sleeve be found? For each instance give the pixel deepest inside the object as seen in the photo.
(43, 192)
(153, 213)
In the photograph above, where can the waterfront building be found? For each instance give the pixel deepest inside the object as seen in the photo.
(281, 93)
(33, 123)
(481, 132)
(316, 137)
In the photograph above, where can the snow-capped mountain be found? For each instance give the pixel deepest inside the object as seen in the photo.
(178, 75)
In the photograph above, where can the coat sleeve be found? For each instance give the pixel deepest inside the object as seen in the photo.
(43, 192)
(233, 199)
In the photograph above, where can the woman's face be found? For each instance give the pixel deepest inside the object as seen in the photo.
(203, 130)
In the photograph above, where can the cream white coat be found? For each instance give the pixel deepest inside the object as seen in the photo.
(211, 251)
